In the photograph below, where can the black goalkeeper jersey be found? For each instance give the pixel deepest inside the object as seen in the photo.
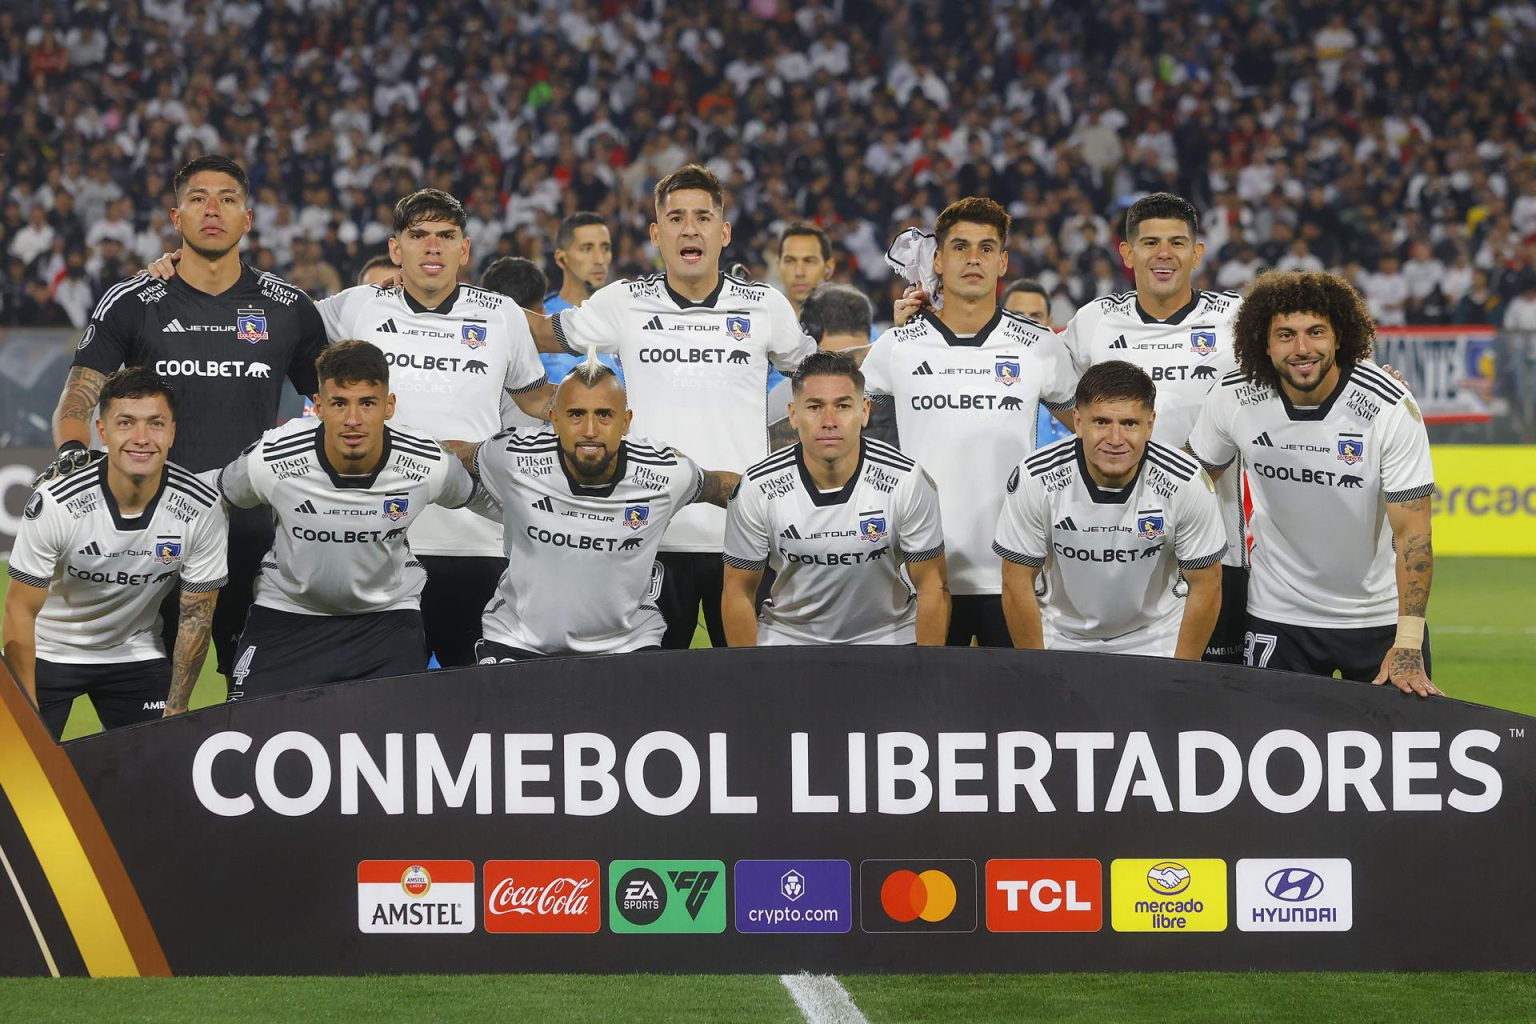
(225, 354)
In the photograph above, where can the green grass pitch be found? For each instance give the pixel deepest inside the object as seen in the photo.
(1483, 632)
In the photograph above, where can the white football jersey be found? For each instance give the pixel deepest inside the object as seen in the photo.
(694, 371)
(107, 574)
(450, 369)
(1186, 355)
(341, 540)
(1111, 557)
(1321, 479)
(582, 576)
(837, 556)
(965, 411)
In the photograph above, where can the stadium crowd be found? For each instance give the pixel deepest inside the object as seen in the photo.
(1389, 141)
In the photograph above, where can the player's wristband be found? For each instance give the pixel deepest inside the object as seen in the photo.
(71, 446)
(1410, 632)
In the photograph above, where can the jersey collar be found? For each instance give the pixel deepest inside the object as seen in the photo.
(351, 483)
(708, 302)
(1178, 315)
(837, 497)
(1319, 412)
(1100, 496)
(976, 340)
(581, 490)
(446, 306)
(144, 518)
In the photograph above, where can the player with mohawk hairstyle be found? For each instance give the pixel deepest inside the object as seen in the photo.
(583, 509)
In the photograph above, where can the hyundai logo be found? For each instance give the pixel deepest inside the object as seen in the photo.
(1294, 885)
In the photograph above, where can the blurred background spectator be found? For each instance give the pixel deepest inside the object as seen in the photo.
(1391, 140)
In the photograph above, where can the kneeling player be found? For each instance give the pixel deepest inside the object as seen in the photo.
(1114, 520)
(849, 525)
(584, 509)
(1342, 482)
(97, 551)
(339, 595)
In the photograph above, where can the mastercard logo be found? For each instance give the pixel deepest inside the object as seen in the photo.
(910, 895)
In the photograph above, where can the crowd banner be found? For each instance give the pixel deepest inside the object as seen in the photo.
(1450, 369)
(852, 809)
(1485, 499)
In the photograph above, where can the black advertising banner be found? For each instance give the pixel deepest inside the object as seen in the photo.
(828, 809)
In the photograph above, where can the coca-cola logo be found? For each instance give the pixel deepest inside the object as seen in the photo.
(523, 896)
(566, 896)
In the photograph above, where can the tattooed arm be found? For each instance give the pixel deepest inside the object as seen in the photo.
(192, 631)
(717, 488)
(538, 403)
(77, 406)
(1404, 664)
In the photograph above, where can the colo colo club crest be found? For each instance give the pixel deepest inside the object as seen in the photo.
(251, 325)
(636, 516)
(395, 506)
(1351, 449)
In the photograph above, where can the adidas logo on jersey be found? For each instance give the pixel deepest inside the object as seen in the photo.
(174, 327)
(544, 505)
(1065, 524)
(653, 324)
(790, 533)
(1119, 343)
(308, 508)
(91, 549)
(388, 327)
(923, 370)
(1263, 440)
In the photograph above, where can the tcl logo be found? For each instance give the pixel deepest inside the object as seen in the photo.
(1045, 896)
(527, 896)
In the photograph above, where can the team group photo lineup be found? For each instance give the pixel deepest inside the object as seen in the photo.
(771, 433)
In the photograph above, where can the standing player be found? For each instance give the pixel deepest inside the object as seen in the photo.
(583, 252)
(1341, 476)
(1183, 338)
(584, 509)
(340, 592)
(696, 345)
(965, 382)
(227, 335)
(1028, 298)
(805, 261)
(455, 352)
(1113, 519)
(849, 525)
(97, 552)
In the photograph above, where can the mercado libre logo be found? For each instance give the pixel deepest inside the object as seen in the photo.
(917, 895)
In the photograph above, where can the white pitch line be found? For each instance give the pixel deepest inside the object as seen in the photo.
(822, 1000)
(26, 907)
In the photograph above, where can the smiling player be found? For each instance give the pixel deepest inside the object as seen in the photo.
(1113, 519)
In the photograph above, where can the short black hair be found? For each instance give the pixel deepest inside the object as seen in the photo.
(806, 228)
(381, 260)
(135, 382)
(828, 364)
(1115, 380)
(429, 204)
(691, 176)
(836, 309)
(519, 279)
(212, 162)
(566, 234)
(352, 362)
(1025, 286)
(1161, 206)
(974, 210)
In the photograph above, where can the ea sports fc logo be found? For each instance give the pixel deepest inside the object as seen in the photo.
(416, 881)
(910, 895)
